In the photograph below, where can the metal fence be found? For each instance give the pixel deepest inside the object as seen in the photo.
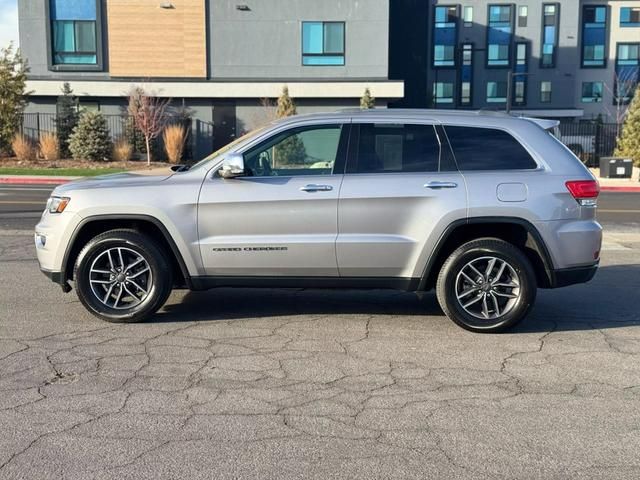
(590, 141)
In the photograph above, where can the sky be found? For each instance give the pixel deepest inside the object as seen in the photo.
(8, 22)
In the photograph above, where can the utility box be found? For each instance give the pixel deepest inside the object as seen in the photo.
(614, 167)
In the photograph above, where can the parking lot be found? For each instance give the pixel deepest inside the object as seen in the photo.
(318, 384)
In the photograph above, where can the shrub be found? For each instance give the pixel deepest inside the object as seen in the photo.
(122, 150)
(367, 101)
(13, 77)
(23, 147)
(174, 137)
(286, 107)
(49, 148)
(90, 139)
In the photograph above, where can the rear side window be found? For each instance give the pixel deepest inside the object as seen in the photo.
(391, 148)
(487, 149)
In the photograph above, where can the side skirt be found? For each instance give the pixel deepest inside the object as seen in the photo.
(392, 283)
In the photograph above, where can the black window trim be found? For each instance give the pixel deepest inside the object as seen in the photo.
(320, 55)
(57, 67)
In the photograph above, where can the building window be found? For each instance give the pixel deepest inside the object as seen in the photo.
(523, 12)
(549, 35)
(322, 43)
(499, 35)
(444, 36)
(466, 74)
(520, 74)
(627, 74)
(630, 16)
(594, 36)
(496, 92)
(74, 33)
(591, 92)
(545, 92)
(442, 92)
(468, 16)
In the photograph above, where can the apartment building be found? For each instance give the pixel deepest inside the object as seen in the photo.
(219, 58)
(572, 59)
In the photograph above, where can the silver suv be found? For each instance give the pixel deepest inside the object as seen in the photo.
(483, 207)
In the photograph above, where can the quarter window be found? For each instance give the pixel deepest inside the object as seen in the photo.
(73, 29)
(300, 151)
(323, 43)
(487, 149)
(395, 148)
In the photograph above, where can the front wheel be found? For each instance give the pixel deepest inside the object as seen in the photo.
(486, 285)
(122, 276)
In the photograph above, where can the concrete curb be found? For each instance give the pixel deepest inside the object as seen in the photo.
(620, 188)
(35, 180)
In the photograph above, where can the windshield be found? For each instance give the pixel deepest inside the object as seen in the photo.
(229, 146)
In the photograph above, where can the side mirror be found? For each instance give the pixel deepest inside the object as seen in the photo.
(232, 166)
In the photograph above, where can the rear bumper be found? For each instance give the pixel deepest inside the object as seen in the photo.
(572, 276)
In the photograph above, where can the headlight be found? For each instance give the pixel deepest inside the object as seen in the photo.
(57, 204)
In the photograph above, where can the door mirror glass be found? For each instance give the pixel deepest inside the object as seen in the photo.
(232, 166)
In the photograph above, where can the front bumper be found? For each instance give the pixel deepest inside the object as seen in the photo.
(57, 277)
(572, 276)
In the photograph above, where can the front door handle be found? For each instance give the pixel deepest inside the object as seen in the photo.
(316, 188)
(439, 185)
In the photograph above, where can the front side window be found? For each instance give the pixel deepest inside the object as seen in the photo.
(395, 148)
(487, 149)
(591, 92)
(300, 151)
(630, 16)
(594, 36)
(496, 92)
(74, 39)
(500, 30)
(323, 43)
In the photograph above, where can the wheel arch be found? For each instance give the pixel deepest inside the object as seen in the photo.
(93, 225)
(517, 231)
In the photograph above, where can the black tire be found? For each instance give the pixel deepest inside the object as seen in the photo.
(132, 242)
(515, 309)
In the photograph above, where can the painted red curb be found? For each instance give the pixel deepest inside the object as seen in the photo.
(33, 181)
(619, 189)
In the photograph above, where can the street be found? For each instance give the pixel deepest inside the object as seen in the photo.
(294, 383)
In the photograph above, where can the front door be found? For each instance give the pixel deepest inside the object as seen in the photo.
(401, 186)
(280, 219)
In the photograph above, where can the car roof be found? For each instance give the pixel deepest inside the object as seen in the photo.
(462, 117)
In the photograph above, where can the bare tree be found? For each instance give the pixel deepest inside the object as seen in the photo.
(149, 115)
(624, 85)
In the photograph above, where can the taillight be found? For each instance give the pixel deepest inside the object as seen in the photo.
(584, 191)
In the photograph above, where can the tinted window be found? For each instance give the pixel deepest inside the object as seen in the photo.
(487, 149)
(299, 151)
(387, 148)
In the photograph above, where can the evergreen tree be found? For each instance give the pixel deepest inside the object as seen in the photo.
(367, 101)
(13, 77)
(286, 106)
(66, 118)
(629, 142)
(90, 139)
(290, 151)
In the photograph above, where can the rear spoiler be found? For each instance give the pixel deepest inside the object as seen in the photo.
(544, 123)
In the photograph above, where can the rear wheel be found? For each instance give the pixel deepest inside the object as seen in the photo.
(122, 276)
(486, 285)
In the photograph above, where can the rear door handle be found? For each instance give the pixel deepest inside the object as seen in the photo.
(316, 188)
(438, 185)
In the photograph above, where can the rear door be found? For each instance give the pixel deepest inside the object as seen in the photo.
(400, 190)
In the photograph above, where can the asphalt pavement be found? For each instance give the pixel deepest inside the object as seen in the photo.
(301, 384)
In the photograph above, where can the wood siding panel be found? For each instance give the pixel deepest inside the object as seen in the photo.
(148, 41)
